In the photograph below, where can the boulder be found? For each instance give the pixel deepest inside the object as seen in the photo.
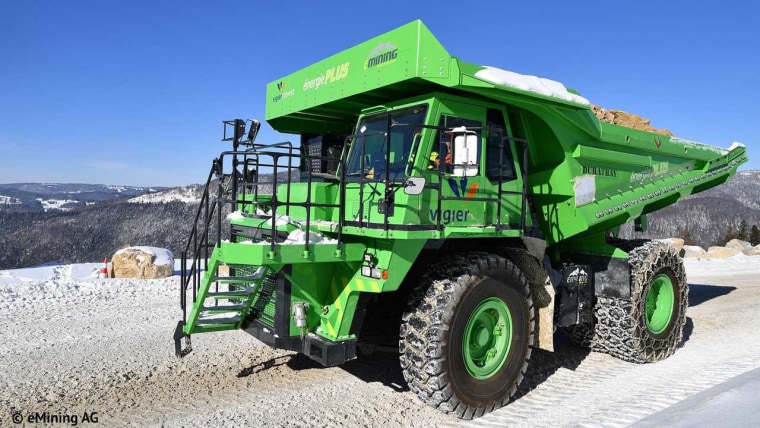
(142, 263)
(751, 251)
(693, 251)
(722, 252)
(739, 244)
(676, 243)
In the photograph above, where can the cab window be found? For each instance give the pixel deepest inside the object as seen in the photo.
(374, 151)
(500, 165)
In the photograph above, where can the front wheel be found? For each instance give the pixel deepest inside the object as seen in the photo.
(466, 336)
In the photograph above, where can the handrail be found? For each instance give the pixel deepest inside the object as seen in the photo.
(247, 192)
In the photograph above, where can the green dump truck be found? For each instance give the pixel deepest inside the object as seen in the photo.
(458, 213)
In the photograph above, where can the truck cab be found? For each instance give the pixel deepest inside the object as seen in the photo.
(439, 163)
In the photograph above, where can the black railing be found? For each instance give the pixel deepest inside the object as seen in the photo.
(198, 242)
(251, 188)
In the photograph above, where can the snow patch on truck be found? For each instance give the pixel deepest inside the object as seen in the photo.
(535, 84)
(701, 146)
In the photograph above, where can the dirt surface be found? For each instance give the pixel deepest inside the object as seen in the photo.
(71, 344)
(619, 117)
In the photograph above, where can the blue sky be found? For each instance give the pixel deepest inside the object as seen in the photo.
(134, 93)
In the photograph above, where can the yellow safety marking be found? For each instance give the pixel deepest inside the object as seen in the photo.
(330, 329)
(334, 291)
(359, 284)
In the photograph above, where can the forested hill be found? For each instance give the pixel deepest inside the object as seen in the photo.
(90, 233)
(103, 219)
(708, 218)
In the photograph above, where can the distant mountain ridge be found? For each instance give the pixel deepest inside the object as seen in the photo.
(74, 188)
(42, 197)
(103, 219)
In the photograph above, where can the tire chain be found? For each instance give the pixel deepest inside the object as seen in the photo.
(424, 326)
(620, 326)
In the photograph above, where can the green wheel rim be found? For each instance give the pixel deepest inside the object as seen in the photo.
(660, 302)
(487, 338)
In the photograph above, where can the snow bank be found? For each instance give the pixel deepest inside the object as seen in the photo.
(739, 264)
(33, 274)
(534, 84)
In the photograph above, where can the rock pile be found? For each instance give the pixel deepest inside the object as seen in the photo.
(732, 248)
(630, 120)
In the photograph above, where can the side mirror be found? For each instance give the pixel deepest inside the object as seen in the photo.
(250, 175)
(414, 185)
(253, 131)
(465, 153)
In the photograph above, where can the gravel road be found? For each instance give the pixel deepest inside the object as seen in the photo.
(74, 346)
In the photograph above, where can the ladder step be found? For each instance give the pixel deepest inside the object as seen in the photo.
(230, 294)
(224, 308)
(233, 320)
(235, 279)
(256, 276)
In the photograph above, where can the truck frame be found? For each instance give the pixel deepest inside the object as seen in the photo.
(457, 213)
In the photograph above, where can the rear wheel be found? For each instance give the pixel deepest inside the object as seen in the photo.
(466, 336)
(648, 326)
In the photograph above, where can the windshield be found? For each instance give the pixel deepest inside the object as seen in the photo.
(373, 154)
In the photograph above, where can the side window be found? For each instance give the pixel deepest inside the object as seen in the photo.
(441, 155)
(500, 165)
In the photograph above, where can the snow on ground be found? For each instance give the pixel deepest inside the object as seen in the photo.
(71, 343)
(55, 204)
(182, 194)
(739, 264)
(8, 200)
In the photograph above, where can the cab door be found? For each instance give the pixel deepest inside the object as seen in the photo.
(502, 170)
(470, 195)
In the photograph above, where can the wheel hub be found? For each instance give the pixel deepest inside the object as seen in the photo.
(487, 338)
(660, 301)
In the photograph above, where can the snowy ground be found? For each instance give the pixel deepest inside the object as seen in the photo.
(71, 345)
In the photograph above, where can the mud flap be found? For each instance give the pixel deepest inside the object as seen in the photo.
(545, 325)
(576, 295)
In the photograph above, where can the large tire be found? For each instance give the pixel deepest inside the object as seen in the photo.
(648, 326)
(466, 336)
